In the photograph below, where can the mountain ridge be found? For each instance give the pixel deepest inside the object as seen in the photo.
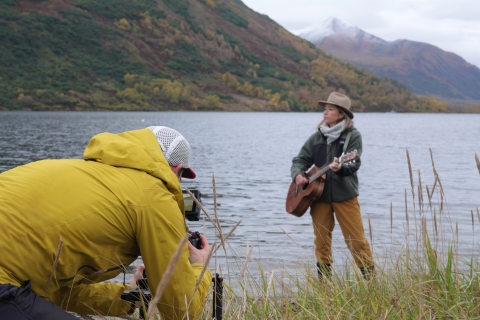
(423, 68)
(174, 55)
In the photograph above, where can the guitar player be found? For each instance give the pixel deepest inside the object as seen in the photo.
(340, 192)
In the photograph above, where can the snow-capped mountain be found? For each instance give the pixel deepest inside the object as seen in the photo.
(334, 27)
(421, 67)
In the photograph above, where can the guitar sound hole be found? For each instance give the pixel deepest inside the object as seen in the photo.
(305, 186)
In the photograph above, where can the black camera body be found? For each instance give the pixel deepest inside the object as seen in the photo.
(141, 293)
(194, 238)
(192, 209)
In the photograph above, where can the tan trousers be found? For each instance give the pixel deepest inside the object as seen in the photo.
(350, 221)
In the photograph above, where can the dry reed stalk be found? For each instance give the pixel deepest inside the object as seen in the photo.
(229, 234)
(441, 200)
(424, 236)
(441, 187)
(419, 200)
(435, 221)
(186, 303)
(199, 204)
(243, 276)
(55, 264)
(478, 162)
(456, 253)
(289, 236)
(429, 197)
(478, 214)
(473, 221)
(424, 229)
(166, 276)
(406, 213)
(435, 173)
(473, 229)
(433, 162)
(420, 193)
(269, 285)
(214, 195)
(411, 177)
(456, 231)
(247, 260)
(435, 182)
(219, 228)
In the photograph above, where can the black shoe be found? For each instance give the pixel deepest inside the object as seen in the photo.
(324, 270)
(368, 272)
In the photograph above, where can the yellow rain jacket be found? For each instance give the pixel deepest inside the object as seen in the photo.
(100, 214)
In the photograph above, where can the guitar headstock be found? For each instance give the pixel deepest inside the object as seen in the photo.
(347, 157)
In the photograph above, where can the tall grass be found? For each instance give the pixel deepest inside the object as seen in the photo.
(425, 277)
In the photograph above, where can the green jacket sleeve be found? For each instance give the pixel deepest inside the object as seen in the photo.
(303, 160)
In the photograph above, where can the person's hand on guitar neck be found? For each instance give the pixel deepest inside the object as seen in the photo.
(335, 165)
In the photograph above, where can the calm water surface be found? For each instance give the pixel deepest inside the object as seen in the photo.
(249, 154)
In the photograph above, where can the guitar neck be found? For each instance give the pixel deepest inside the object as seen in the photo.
(319, 174)
(351, 156)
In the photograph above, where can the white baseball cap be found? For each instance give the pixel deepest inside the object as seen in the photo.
(175, 147)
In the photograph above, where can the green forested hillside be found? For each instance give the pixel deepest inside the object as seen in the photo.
(172, 55)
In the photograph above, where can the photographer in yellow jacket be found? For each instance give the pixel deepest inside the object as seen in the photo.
(67, 225)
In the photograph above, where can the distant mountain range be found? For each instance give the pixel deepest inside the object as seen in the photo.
(421, 67)
(175, 55)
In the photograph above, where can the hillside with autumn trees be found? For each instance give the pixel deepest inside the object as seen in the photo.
(174, 55)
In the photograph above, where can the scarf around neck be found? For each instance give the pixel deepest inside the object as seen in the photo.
(332, 133)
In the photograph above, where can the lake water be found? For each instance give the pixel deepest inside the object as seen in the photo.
(249, 154)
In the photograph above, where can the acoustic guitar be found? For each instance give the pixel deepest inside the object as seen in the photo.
(299, 198)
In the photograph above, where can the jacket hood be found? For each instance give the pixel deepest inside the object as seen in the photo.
(139, 150)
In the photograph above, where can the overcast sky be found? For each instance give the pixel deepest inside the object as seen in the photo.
(451, 25)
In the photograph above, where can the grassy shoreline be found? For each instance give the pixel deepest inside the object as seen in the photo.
(425, 277)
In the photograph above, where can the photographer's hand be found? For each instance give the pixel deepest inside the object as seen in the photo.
(137, 276)
(199, 256)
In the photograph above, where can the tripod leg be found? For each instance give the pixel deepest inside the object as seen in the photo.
(217, 309)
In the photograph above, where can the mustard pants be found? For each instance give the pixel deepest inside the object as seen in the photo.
(350, 221)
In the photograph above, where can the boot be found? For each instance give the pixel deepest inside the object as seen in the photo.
(368, 272)
(324, 270)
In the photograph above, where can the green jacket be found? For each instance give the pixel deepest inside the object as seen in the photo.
(341, 185)
(124, 202)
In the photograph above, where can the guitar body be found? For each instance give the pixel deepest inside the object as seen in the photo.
(299, 198)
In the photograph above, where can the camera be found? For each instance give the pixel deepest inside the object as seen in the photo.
(141, 293)
(192, 210)
(194, 238)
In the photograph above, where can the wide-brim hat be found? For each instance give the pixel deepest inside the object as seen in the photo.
(339, 100)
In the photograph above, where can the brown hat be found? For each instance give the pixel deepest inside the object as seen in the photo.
(341, 101)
